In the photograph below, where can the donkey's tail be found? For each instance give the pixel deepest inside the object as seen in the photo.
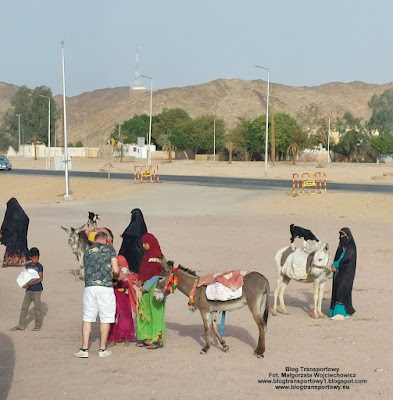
(266, 296)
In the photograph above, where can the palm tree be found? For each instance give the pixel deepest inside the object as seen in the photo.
(166, 145)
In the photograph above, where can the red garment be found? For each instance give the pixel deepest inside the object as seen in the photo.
(148, 268)
(131, 278)
(123, 327)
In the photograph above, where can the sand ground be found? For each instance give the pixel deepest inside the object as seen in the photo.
(206, 229)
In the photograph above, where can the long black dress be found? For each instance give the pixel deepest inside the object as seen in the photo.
(14, 235)
(131, 247)
(341, 302)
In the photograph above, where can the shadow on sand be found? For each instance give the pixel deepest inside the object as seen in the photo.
(7, 364)
(197, 333)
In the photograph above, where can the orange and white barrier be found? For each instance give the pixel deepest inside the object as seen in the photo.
(146, 174)
(314, 183)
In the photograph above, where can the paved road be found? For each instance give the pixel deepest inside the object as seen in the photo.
(239, 183)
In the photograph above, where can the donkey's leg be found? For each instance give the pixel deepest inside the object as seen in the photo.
(320, 299)
(257, 309)
(283, 286)
(219, 337)
(207, 321)
(315, 296)
(279, 280)
(81, 266)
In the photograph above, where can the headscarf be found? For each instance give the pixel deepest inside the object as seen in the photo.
(345, 244)
(137, 226)
(131, 246)
(150, 268)
(15, 226)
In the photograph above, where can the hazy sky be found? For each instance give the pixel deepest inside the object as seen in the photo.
(183, 42)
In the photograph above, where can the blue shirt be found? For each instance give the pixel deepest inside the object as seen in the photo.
(39, 268)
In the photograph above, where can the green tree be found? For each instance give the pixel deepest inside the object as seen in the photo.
(238, 137)
(255, 136)
(349, 122)
(180, 139)
(202, 134)
(314, 124)
(164, 140)
(34, 115)
(383, 143)
(382, 112)
(130, 130)
(169, 119)
(351, 143)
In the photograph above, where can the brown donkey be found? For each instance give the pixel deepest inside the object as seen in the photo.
(255, 294)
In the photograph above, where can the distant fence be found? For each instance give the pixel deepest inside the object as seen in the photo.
(146, 174)
(313, 183)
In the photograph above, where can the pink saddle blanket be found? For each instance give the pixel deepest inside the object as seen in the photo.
(230, 279)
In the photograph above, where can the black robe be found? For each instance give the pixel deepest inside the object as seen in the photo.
(131, 246)
(344, 277)
(14, 232)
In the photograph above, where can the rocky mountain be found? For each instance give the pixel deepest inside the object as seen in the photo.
(226, 98)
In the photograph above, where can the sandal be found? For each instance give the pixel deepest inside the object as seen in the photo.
(144, 343)
(155, 345)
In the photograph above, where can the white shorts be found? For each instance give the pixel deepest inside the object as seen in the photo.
(99, 299)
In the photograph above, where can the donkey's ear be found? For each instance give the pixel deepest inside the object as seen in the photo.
(66, 229)
(79, 229)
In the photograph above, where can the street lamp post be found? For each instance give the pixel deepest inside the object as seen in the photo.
(41, 95)
(85, 135)
(328, 143)
(151, 110)
(18, 115)
(267, 115)
(67, 194)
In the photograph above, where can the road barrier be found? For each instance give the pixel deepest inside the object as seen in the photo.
(313, 182)
(146, 174)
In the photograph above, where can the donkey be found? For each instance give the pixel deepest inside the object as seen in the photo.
(318, 273)
(79, 243)
(255, 294)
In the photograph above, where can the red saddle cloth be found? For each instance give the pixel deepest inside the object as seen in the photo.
(230, 279)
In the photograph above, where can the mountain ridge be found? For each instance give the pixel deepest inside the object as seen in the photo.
(226, 98)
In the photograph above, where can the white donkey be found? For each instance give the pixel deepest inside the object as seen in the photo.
(304, 266)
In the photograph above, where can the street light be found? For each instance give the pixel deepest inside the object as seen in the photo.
(267, 114)
(41, 95)
(85, 134)
(151, 110)
(328, 144)
(18, 115)
(67, 195)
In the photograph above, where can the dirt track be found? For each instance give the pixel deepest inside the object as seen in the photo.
(206, 229)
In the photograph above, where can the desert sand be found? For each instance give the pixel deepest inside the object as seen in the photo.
(206, 229)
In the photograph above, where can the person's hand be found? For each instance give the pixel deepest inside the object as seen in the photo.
(122, 277)
(138, 284)
(26, 286)
(333, 268)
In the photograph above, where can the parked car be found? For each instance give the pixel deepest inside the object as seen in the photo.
(5, 163)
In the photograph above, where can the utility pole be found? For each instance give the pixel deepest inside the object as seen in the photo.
(18, 115)
(272, 133)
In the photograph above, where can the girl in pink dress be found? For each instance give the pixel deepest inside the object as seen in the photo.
(123, 329)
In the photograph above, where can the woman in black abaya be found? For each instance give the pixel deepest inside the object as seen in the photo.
(131, 247)
(13, 235)
(344, 268)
